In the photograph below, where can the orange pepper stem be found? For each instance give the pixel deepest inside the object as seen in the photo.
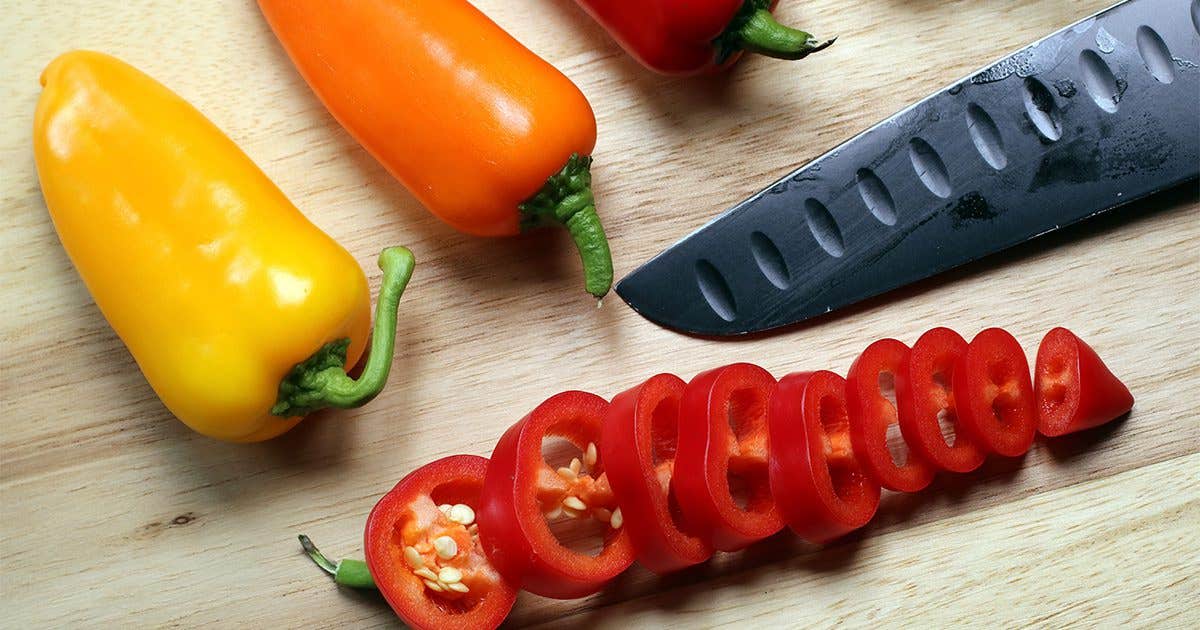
(566, 199)
(320, 381)
(754, 29)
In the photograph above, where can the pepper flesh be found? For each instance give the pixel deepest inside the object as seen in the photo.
(402, 549)
(641, 434)
(871, 413)
(925, 399)
(216, 283)
(521, 492)
(487, 135)
(687, 37)
(1075, 391)
(994, 394)
(818, 481)
(723, 440)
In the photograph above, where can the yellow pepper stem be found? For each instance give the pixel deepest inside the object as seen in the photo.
(321, 380)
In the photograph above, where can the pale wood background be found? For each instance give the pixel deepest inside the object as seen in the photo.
(113, 513)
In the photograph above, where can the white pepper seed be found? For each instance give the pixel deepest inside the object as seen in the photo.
(462, 513)
(413, 557)
(424, 572)
(617, 519)
(445, 547)
(449, 575)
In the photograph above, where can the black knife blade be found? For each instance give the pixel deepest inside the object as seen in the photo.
(1097, 115)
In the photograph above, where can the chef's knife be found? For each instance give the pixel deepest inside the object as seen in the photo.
(1097, 115)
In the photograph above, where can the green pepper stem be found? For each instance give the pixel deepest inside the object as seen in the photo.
(566, 199)
(763, 35)
(754, 29)
(351, 573)
(321, 380)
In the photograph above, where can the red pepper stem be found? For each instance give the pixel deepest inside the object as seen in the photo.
(762, 34)
(566, 199)
(351, 573)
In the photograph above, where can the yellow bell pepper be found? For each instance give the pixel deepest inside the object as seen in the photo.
(241, 313)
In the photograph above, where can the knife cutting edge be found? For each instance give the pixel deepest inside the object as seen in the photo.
(1094, 116)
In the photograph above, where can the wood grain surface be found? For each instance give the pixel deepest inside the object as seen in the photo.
(113, 514)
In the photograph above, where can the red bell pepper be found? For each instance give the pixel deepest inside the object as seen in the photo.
(1074, 389)
(423, 549)
(871, 413)
(685, 37)
(638, 446)
(924, 394)
(994, 394)
(521, 492)
(722, 450)
(819, 483)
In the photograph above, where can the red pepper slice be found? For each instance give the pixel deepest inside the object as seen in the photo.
(521, 491)
(409, 539)
(723, 439)
(638, 447)
(994, 394)
(1075, 390)
(924, 393)
(820, 487)
(871, 413)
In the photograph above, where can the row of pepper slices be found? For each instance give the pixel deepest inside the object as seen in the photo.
(452, 543)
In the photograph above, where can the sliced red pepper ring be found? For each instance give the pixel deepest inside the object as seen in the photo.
(638, 447)
(820, 486)
(521, 491)
(423, 549)
(925, 396)
(871, 413)
(994, 394)
(1075, 390)
(723, 449)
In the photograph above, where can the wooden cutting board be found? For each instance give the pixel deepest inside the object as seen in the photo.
(113, 514)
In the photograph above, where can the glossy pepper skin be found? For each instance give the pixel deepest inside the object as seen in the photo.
(723, 434)
(687, 37)
(486, 134)
(217, 284)
(638, 446)
(522, 493)
(1074, 390)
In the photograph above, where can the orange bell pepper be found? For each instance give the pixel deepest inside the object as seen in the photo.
(486, 134)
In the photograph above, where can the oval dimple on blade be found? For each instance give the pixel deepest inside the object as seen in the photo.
(1042, 110)
(824, 228)
(986, 136)
(876, 195)
(1155, 54)
(929, 167)
(770, 260)
(1099, 80)
(715, 290)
